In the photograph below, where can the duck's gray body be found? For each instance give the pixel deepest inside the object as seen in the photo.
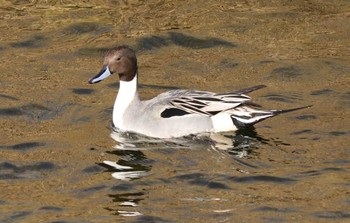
(179, 112)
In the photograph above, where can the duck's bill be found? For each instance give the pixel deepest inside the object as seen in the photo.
(104, 73)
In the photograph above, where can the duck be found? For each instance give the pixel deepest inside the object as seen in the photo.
(180, 112)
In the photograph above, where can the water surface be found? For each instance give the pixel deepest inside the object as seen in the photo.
(61, 162)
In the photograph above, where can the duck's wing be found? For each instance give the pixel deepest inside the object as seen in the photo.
(184, 102)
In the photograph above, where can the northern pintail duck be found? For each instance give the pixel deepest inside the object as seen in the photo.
(176, 113)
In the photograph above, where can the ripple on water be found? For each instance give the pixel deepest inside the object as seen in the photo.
(36, 41)
(89, 190)
(23, 146)
(149, 219)
(181, 39)
(50, 209)
(85, 27)
(338, 133)
(10, 171)
(202, 180)
(335, 215)
(286, 73)
(8, 97)
(93, 169)
(306, 117)
(274, 209)
(321, 92)
(290, 98)
(262, 178)
(311, 173)
(82, 91)
(15, 216)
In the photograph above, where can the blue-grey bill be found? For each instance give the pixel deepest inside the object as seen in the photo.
(104, 73)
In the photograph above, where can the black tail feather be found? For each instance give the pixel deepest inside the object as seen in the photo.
(277, 112)
(241, 124)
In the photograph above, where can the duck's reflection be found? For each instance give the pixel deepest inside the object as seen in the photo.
(132, 164)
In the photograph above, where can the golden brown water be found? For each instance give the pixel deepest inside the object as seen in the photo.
(55, 128)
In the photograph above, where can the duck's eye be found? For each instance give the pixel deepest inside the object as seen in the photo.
(118, 58)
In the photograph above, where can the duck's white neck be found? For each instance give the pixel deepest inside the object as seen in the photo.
(126, 95)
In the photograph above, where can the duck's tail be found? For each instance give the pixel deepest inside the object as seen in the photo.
(246, 116)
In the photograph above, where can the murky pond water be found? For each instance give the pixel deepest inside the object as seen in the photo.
(61, 162)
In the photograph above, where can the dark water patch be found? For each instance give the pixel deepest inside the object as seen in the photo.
(33, 111)
(106, 114)
(36, 41)
(68, 221)
(302, 132)
(97, 51)
(114, 85)
(51, 208)
(340, 162)
(85, 27)
(8, 97)
(262, 178)
(273, 219)
(345, 99)
(37, 112)
(273, 209)
(80, 120)
(228, 63)
(150, 219)
(299, 151)
(180, 39)
(188, 41)
(282, 98)
(202, 180)
(346, 96)
(322, 92)
(332, 169)
(337, 133)
(10, 171)
(123, 187)
(151, 42)
(91, 190)
(8, 176)
(24, 146)
(335, 215)
(282, 15)
(310, 173)
(40, 166)
(11, 111)
(18, 215)
(217, 185)
(336, 66)
(266, 61)
(93, 169)
(306, 117)
(82, 91)
(286, 73)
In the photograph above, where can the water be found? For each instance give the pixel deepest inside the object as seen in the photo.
(60, 160)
